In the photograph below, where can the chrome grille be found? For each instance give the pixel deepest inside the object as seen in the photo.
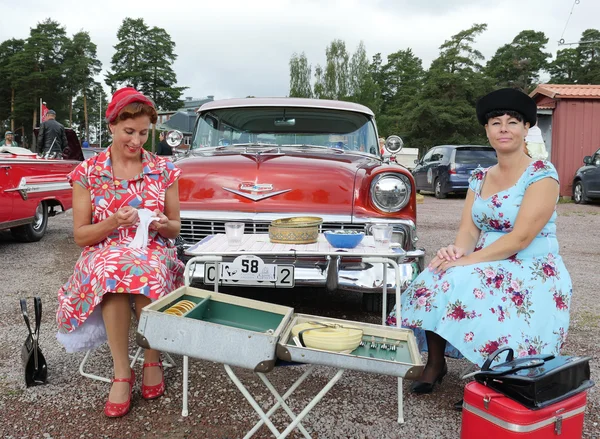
(193, 231)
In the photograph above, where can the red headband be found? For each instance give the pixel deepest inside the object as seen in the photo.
(123, 97)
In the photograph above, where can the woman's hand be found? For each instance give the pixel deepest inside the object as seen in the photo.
(445, 265)
(126, 216)
(162, 221)
(446, 257)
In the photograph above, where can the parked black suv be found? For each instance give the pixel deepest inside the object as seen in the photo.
(586, 183)
(447, 168)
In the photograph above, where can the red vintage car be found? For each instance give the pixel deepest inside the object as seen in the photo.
(33, 188)
(257, 160)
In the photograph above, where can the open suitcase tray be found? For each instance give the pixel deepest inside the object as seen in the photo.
(405, 361)
(253, 334)
(222, 328)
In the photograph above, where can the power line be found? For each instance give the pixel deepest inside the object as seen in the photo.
(562, 40)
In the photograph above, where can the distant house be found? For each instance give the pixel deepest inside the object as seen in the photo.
(182, 119)
(569, 118)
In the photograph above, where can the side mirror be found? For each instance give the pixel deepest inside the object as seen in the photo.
(587, 160)
(174, 138)
(417, 161)
(393, 144)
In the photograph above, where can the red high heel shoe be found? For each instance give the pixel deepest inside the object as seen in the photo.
(156, 391)
(116, 410)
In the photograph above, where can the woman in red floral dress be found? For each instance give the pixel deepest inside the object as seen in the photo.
(109, 276)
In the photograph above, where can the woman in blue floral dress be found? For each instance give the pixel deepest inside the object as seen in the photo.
(502, 282)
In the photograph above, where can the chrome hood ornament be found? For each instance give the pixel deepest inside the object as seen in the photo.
(255, 191)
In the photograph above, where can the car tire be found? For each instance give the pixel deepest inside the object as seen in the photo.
(35, 230)
(437, 188)
(579, 193)
(372, 302)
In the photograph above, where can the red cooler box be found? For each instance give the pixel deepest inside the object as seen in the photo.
(491, 415)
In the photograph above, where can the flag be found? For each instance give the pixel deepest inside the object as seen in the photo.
(43, 112)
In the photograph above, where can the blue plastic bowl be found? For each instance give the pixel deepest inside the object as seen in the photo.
(344, 238)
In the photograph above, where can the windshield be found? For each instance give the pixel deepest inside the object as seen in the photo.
(281, 127)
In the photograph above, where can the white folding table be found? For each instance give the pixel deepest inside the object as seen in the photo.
(214, 248)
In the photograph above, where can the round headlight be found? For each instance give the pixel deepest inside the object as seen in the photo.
(390, 192)
(394, 144)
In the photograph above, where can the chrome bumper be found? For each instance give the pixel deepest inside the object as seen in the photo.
(337, 274)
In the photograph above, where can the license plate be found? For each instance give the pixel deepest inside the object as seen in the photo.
(250, 270)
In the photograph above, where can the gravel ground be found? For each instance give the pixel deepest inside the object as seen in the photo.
(359, 405)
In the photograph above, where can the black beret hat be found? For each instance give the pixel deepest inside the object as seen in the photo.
(507, 99)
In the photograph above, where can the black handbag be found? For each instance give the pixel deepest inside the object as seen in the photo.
(536, 381)
(36, 370)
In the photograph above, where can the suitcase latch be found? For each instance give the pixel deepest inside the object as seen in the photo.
(558, 425)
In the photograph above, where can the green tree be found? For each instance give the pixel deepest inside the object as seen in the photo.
(81, 65)
(300, 73)
(444, 111)
(376, 71)
(519, 63)
(362, 87)
(564, 68)
(319, 89)
(43, 57)
(88, 114)
(403, 76)
(336, 70)
(128, 63)
(10, 72)
(589, 57)
(143, 58)
(159, 81)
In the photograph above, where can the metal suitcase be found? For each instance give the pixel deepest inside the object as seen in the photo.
(222, 328)
(487, 413)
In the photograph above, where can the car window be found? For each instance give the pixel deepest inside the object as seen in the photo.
(427, 157)
(475, 156)
(596, 158)
(438, 155)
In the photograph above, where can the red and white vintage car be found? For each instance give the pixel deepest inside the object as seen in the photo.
(33, 188)
(257, 160)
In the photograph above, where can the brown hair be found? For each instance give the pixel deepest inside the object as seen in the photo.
(136, 109)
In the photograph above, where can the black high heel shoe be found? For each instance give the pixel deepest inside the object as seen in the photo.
(420, 387)
(458, 406)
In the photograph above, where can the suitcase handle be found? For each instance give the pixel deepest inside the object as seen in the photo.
(509, 357)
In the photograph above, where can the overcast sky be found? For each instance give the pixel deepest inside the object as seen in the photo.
(230, 48)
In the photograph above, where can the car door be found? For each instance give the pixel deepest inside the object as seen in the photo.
(6, 198)
(420, 171)
(433, 167)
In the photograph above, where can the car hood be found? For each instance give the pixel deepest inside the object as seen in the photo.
(293, 182)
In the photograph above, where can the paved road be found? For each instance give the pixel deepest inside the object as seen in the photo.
(359, 406)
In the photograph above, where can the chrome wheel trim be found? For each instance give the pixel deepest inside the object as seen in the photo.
(38, 219)
(438, 187)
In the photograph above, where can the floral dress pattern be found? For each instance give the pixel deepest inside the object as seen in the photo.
(110, 266)
(521, 302)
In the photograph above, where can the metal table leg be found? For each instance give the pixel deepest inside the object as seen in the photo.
(184, 410)
(252, 402)
(393, 263)
(187, 277)
(296, 419)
